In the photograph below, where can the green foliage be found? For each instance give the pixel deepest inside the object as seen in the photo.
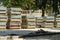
(31, 4)
(24, 4)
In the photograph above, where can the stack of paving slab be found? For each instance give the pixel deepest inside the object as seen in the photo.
(31, 21)
(58, 21)
(39, 22)
(3, 17)
(49, 22)
(15, 18)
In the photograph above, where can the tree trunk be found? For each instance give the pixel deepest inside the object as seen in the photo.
(42, 12)
(43, 16)
(9, 18)
(55, 22)
(55, 9)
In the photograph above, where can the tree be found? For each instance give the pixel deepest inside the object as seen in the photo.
(49, 7)
(41, 4)
(55, 10)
